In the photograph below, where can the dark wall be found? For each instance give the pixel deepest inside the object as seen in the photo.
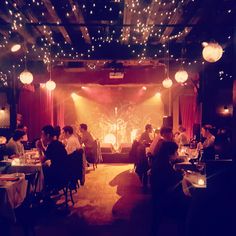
(215, 94)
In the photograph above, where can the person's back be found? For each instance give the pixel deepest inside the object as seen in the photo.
(56, 153)
(14, 145)
(87, 139)
(164, 179)
(145, 136)
(70, 141)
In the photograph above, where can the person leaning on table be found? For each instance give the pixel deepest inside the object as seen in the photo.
(14, 146)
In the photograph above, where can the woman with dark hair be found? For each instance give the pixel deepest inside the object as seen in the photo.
(166, 185)
(14, 146)
(54, 158)
(207, 146)
(163, 176)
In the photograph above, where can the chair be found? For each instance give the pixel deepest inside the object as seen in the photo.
(4, 167)
(32, 178)
(2, 151)
(69, 176)
(92, 154)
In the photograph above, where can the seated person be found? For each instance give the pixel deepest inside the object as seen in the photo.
(166, 134)
(182, 138)
(70, 140)
(14, 146)
(89, 144)
(164, 178)
(145, 136)
(54, 157)
(207, 146)
(25, 129)
(57, 132)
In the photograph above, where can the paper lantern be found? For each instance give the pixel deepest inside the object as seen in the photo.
(181, 76)
(50, 85)
(167, 83)
(26, 77)
(212, 52)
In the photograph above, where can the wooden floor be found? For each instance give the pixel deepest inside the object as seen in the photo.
(111, 202)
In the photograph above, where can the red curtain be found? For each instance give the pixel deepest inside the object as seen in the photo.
(37, 110)
(60, 114)
(188, 112)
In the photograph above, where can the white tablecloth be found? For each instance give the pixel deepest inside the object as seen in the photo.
(12, 194)
(28, 168)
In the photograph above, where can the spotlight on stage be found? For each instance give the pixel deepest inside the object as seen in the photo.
(74, 96)
(158, 94)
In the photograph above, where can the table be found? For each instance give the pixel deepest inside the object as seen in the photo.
(186, 165)
(12, 194)
(192, 181)
(27, 168)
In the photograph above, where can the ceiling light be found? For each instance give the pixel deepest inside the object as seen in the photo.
(167, 82)
(181, 76)
(26, 77)
(212, 52)
(15, 47)
(50, 85)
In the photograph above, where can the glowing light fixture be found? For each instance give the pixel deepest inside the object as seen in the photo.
(74, 96)
(144, 88)
(212, 52)
(167, 82)
(15, 47)
(181, 76)
(201, 182)
(226, 110)
(50, 85)
(26, 77)
(158, 94)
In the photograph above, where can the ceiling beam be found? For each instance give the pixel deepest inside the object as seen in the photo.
(22, 31)
(194, 20)
(126, 21)
(80, 19)
(151, 20)
(174, 19)
(56, 18)
(31, 18)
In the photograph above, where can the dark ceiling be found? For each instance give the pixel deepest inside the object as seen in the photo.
(93, 34)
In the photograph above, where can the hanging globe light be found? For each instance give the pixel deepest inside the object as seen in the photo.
(167, 82)
(212, 52)
(181, 76)
(26, 77)
(50, 85)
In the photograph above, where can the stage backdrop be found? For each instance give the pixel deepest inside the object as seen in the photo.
(114, 114)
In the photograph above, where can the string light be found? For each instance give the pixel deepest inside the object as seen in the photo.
(141, 32)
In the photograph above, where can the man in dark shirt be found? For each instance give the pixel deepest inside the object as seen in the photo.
(145, 136)
(54, 157)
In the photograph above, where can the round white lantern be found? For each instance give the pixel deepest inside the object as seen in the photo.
(50, 85)
(181, 76)
(212, 52)
(26, 77)
(167, 83)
